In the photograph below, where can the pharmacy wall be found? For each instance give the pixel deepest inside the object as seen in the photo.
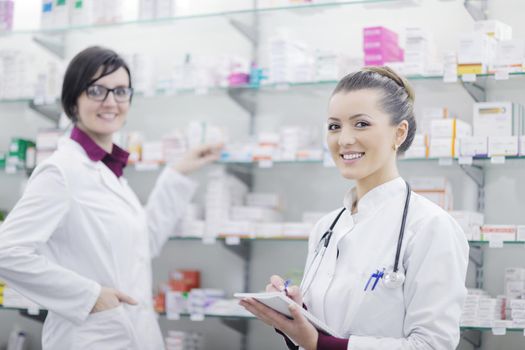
(199, 76)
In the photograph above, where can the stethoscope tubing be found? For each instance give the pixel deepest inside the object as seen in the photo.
(327, 236)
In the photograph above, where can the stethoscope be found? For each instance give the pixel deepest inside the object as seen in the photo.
(392, 278)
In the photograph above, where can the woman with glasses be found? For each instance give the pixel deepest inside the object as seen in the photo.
(79, 243)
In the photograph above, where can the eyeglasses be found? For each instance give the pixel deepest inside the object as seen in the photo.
(100, 93)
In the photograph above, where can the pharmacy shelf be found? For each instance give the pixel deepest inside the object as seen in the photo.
(212, 316)
(243, 238)
(153, 166)
(236, 322)
(504, 242)
(246, 238)
(221, 14)
(514, 80)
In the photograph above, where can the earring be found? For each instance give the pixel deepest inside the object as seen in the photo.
(394, 147)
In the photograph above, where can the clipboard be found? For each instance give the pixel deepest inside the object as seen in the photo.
(279, 302)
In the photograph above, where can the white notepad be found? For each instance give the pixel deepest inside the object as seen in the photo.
(279, 302)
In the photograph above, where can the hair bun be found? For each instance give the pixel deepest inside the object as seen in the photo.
(389, 73)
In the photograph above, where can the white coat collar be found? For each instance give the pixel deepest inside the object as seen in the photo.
(372, 200)
(117, 185)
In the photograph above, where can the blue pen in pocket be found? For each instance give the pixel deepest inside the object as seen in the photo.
(376, 276)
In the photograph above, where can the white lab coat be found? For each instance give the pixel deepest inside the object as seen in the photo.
(78, 227)
(422, 314)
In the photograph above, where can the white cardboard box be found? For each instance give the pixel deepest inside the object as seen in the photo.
(473, 146)
(503, 146)
(443, 147)
(453, 127)
(492, 119)
(494, 29)
(498, 232)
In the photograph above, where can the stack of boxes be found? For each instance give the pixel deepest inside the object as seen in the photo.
(178, 340)
(47, 143)
(509, 56)
(290, 61)
(17, 75)
(6, 14)
(480, 310)
(223, 192)
(192, 224)
(444, 135)
(497, 130)
(515, 294)
(150, 9)
(420, 53)
(471, 223)
(436, 189)
(21, 155)
(381, 46)
(477, 50)
(63, 13)
(516, 312)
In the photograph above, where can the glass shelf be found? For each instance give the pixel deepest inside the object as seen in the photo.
(220, 14)
(245, 238)
(488, 329)
(303, 239)
(234, 317)
(249, 317)
(504, 242)
(285, 87)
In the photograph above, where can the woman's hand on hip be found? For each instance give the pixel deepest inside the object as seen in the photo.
(110, 298)
(198, 157)
(299, 329)
(277, 285)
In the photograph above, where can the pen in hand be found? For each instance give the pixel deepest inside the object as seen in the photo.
(286, 284)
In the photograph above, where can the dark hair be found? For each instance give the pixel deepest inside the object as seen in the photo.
(80, 72)
(398, 96)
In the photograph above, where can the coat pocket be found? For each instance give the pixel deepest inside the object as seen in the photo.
(108, 329)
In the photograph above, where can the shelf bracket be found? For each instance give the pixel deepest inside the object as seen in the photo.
(242, 250)
(477, 9)
(238, 324)
(243, 98)
(49, 111)
(244, 172)
(476, 90)
(472, 337)
(247, 30)
(476, 256)
(54, 43)
(246, 99)
(476, 173)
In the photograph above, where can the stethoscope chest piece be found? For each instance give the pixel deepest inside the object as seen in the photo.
(393, 279)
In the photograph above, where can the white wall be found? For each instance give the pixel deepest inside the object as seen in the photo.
(303, 186)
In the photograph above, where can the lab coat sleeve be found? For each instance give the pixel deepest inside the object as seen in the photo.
(31, 224)
(436, 262)
(166, 206)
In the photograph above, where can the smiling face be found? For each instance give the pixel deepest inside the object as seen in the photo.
(100, 119)
(360, 136)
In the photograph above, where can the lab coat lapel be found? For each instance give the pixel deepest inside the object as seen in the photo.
(327, 270)
(115, 185)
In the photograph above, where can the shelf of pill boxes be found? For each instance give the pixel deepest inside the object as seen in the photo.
(510, 80)
(497, 329)
(320, 5)
(153, 166)
(237, 239)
